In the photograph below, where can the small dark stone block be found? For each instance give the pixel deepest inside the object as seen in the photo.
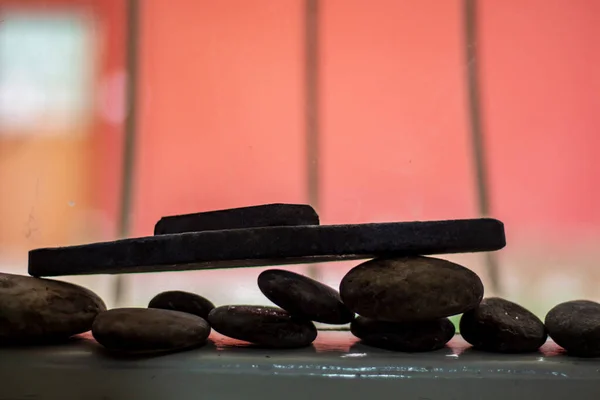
(277, 245)
(304, 297)
(404, 336)
(149, 330)
(42, 310)
(499, 325)
(237, 218)
(410, 289)
(575, 326)
(264, 326)
(177, 300)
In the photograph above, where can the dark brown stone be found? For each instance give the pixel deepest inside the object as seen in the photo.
(35, 310)
(499, 325)
(149, 330)
(304, 297)
(404, 336)
(177, 300)
(264, 326)
(575, 326)
(410, 289)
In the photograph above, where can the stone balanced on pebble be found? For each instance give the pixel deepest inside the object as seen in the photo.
(41, 310)
(403, 305)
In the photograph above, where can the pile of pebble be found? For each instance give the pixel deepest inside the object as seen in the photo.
(399, 304)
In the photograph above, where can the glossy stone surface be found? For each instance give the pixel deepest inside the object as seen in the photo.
(149, 330)
(575, 325)
(40, 310)
(268, 246)
(263, 326)
(407, 337)
(187, 302)
(410, 289)
(304, 297)
(502, 326)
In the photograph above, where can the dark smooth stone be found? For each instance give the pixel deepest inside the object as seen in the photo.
(268, 246)
(404, 336)
(177, 300)
(410, 289)
(575, 326)
(149, 330)
(304, 297)
(237, 218)
(42, 310)
(499, 325)
(264, 326)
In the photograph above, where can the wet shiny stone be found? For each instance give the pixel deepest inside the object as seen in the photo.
(304, 297)
(263, 326)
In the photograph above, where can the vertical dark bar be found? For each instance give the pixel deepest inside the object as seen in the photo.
(477, 136)
(312, 99)
(311, 82)
(132, 40)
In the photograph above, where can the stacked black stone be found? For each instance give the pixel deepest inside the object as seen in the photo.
(301, 301)
(404, 302)
(274, 234)
(174, 321)
(403, 298)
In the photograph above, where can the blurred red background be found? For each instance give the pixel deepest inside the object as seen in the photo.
(221, 118)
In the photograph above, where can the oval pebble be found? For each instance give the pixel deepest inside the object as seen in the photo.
(264, 326)
(404, 336)
(304, 297)
(35, 309)
(177, 300)
(575, 326)
(149, 330)
(499, 325)
(410, 289)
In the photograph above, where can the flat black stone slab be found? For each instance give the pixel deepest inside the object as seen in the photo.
(268, 246)
(238, 218)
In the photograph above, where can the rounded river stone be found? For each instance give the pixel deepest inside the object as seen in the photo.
(176, 300)
(264, 326)
(404, 336)
(304, 297)
(149, 330)
(575, 326)
(39, 310)
(499, 325)
(410, 289)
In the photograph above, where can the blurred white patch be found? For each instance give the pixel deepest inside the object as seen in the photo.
(566, 285)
